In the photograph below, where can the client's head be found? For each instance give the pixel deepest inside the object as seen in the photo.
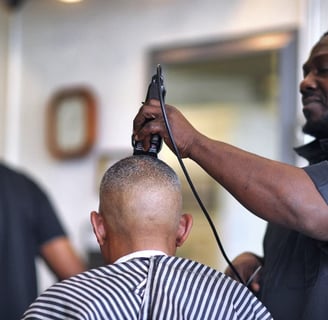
(140, 208)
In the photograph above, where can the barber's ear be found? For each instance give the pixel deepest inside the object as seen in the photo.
(184, 229)
(98, 224)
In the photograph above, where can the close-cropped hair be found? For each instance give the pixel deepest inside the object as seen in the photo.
(136, 170)
(324, 35)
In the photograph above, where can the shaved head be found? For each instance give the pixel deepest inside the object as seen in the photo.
(136, 170)
(141, 193)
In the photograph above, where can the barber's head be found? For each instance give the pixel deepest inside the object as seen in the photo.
(314, 90)
(140, 208)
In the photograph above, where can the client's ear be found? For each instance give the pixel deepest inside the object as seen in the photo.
(98, 225)
(184, 229)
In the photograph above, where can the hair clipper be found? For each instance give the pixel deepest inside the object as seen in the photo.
(155, 89)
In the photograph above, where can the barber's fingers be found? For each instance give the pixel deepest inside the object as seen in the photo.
(150, 120)
(255, 286)
(149, 129)
(150, 110)
(253, 282)
(146, 114)
(229, 272)
(246, 274)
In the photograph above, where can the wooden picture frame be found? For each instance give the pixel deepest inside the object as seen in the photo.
(71, 122)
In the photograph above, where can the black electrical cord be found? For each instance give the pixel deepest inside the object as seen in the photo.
(168, 128)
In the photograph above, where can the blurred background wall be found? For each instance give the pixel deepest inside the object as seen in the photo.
(46, 45)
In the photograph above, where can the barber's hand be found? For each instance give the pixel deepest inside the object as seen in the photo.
(149, 121)
(246, 264)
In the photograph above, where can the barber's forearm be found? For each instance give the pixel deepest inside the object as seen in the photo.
(274, 191)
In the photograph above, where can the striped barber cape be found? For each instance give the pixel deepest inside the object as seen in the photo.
(159, 287)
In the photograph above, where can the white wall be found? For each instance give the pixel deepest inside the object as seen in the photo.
(104, 44)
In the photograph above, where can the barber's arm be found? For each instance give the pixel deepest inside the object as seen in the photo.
(272, 190)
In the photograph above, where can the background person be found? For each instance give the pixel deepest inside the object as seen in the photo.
(138, 228)
(29, 227)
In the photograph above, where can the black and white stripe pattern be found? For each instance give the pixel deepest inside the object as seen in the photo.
(156, 288)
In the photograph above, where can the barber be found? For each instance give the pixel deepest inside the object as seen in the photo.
(293, 200)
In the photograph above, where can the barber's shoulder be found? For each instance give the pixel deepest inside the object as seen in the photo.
(318, 173)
